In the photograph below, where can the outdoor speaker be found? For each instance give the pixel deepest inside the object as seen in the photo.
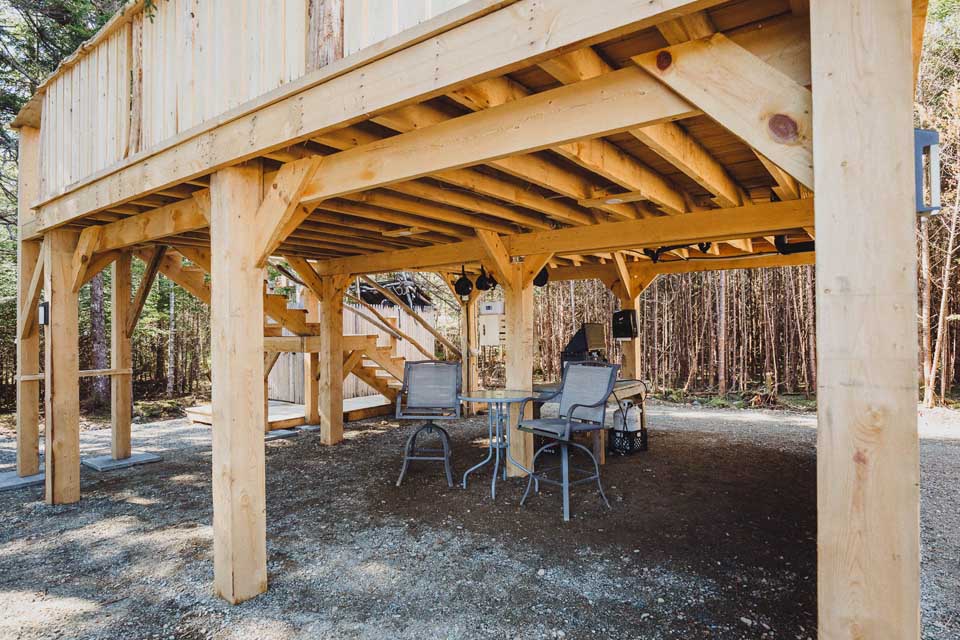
(625, 324)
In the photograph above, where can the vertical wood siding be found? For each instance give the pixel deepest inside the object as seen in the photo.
(154, 77)
(367, 22)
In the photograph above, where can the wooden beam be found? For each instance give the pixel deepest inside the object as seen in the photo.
(351, 361)
(98, 263)
(146, 282)
(171, 266)
(239, 399)
(623, 274)
(280, 212)
(769, 110)
(426, 209)
(497, 258)
(30, 296)
(596, 155)
(269, 361)
(330, 373)
(532, 265)
(89, 239)
(519, 312)
(702, 226)
(61, 367)
(311, 363)
(30, 279)
(121, 385)
(669, 140)
(392, 297)
(170, 220)
(470, 179)
(615, 102)
(388, 327)
(363, 210)
(314, 104)
(787, 187)
(470, 203)
(868, 466)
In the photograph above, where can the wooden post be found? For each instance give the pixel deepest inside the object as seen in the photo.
(469, 344)
(868, 550)
(61, 370)
(518, 307)
(121, 384)
(311, 365)
(28, 346)
(632, 349)
(239, 502)
(331, 359)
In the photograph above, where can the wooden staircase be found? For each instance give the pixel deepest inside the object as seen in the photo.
(377, 365)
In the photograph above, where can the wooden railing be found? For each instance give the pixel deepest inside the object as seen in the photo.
(145, 79)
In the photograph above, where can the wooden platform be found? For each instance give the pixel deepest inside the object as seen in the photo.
(285, 415)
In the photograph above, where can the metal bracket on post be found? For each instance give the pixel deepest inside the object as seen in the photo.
(926, 160)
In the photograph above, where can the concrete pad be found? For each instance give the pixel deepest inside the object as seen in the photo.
(107, 463)
(309, 428)
(279, 434)
(10, 480)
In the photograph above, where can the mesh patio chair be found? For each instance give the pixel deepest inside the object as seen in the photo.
(583, 393)
(431, 390)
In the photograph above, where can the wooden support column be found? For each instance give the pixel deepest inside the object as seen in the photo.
(121, 384)
(630, 366)
(311, 364)
(61, 370)
(629, 295)
(239, 502)
(518, 307)
(868, 550)
(28, 341)
(331, 359)
(469, 343)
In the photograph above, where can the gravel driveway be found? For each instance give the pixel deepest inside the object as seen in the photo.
(711, 535)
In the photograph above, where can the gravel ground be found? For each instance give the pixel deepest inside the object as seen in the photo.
(711, 535)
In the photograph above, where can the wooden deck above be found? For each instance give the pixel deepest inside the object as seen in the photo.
(517, 119)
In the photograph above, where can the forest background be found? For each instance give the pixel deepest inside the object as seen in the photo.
(733, 336)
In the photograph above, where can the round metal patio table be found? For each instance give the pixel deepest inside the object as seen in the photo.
(498, 401)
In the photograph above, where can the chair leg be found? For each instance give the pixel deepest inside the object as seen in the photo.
(410, 451)
(407, 454)
(596, 469)
(445, 441)
(565, 469)
(532, 476)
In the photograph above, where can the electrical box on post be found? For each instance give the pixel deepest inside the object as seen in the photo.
(926, 166)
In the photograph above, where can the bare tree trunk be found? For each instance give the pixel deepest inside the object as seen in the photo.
(925, 344)
(98, 342)
(811, 332)
(171, 336)
(944, 297)
(722, 383)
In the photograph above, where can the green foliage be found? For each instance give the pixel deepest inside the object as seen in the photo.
(943, 10)
(718, 402)
(35, 35)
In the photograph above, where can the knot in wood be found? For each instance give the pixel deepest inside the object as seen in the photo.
(664, 60)
(783, 128)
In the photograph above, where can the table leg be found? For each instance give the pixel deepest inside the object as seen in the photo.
(489, 450)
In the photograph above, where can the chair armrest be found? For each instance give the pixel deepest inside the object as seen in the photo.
(523, 404)
(570, 417)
